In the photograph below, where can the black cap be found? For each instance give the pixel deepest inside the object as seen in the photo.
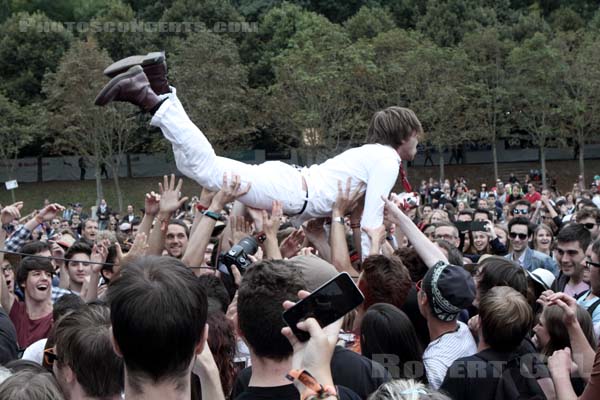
(449, 289)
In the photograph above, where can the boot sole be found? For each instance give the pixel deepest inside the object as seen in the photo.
(126, 63)
(102, 99)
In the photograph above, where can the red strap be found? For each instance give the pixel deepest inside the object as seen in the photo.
(405, 182)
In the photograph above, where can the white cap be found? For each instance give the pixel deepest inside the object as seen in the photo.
(124, 227)
(543, 277)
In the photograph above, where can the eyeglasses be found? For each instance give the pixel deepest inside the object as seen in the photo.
(521, 236)
(589, 226)
(590, 264)
(521, 211)
(419, 285)
(50, 356)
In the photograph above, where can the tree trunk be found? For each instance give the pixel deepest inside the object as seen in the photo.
(115, 171)
(441, 150)
(581, 142)
(98, 176)
(495, 160)
(129, 173)
(543, 160)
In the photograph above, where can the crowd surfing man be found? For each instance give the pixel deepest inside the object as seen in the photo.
(307, 192)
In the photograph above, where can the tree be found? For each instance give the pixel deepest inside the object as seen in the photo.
(486, 87)
(27, 52)
(536, 71)
(434, 88)
(79, 127)
(580, 97)
(314, 101)
(213, 82)
(17, 128)
(369, 22)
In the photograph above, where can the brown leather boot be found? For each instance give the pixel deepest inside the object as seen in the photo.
(154, 65)
(131, 86)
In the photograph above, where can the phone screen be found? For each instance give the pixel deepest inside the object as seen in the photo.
(327, 304)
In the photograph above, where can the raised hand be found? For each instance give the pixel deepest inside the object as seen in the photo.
(291, 245)
(240, 228)
(10, 213)
(170, 195)
(49, 212)
(271, 222)
(345, 200)
(99, 254)
(229, 191)
(152, 203)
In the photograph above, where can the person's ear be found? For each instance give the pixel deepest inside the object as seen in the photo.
(203, 339)
(115, 345)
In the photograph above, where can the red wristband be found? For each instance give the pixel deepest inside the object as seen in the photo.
(200, 207)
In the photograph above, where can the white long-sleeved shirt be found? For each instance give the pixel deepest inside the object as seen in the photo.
(376, 165)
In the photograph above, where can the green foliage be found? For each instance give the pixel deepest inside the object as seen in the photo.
(123, 44)
(369, 22)
(566, 19)
(18, 124)
(214, 91)
(27, 52)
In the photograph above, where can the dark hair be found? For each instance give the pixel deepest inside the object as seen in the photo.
(575, 233)
(505, 318)
(65, 304)
(466, 211)
(182, 224)
(83, 225)
(384, 280)
(557, 330)
(386, 330)
(585, 203)
(35, 247)
(262, 292)
(83, 342)
(521, 221)
(413, 262)
(222, 344)
(215, 289)
(158, 312)
(21, 365)
(29, 264)
(498, 271)
(483, 211)
(393, 126)
(77, 248)
(588, 213)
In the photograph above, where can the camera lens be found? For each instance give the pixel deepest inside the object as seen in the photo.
(249, 244)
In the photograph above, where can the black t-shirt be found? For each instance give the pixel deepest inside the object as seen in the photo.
(287, 392)
(348, 369)
(411, 309)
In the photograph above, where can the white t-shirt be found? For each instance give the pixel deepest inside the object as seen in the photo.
(446, 349)
(35, 351)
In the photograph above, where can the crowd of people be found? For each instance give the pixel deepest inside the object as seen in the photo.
(469, 293)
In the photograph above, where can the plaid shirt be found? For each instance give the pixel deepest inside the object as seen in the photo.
(57, 293)
(17, 239)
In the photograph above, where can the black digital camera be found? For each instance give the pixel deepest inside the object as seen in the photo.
(238, 254)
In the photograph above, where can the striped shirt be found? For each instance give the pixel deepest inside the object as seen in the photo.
(446, 349)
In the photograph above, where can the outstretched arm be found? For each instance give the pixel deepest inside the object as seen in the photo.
(429, 252)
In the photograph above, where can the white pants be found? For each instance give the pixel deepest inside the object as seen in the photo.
(195, 158)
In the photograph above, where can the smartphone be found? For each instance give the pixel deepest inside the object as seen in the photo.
(478, 226)
(462, 226)
(327, 304)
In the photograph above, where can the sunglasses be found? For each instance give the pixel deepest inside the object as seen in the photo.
(590, 264)
(50, 356)
(589, 226)
(517, 212)
(521, 236)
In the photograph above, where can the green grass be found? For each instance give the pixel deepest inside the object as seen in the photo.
(64, 192)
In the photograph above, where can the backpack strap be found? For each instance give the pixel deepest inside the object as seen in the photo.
(593, 307)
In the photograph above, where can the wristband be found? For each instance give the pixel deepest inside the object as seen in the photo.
(339, 220)
(355, 226)
(308, 386)
(200, 207)
(213, 215)
(261, 236)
